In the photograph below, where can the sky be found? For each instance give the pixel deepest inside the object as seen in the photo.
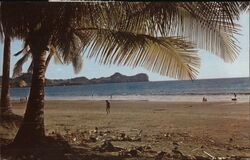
(211, 65)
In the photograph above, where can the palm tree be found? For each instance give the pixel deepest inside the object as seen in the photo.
(5, 106)
(17, 71)
(5, 99)
(39, 37)
(152, 35)
(5, 96)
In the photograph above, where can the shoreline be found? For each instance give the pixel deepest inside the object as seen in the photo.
(150, 98)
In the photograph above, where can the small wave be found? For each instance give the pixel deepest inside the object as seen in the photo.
(165, 98)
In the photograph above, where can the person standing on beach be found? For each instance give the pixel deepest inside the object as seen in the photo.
(107, 107)
(204, 99)
(235, 95)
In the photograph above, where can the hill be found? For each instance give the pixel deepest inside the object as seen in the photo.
(25, 80)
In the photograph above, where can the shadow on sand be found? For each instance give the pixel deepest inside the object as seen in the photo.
(52, 148)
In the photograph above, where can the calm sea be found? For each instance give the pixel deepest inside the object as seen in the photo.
(219, 89)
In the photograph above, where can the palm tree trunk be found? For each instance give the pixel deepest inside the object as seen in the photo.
(32, 131)
(5, 95)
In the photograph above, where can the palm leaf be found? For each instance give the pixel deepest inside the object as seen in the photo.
(169, 56)
(30, 69)
(25, 45)
(77, 63)
(18, 66)
(56, 56)
(245, 5)
(219, 40)
(210, 25)
(48, 60)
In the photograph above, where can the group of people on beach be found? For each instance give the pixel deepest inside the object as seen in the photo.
(23, 99)
(204, 99)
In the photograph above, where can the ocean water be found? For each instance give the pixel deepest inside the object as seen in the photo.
(213, 89)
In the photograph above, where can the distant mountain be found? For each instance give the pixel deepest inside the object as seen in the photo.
(119, 78)
(25, 80)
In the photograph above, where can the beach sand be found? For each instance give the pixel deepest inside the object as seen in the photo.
(218, 128)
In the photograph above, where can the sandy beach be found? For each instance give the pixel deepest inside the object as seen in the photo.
(218, 128)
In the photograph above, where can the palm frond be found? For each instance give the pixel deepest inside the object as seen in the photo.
(245, 5)
(1, 26)
(30, 69)
(48, 60)
(77, 63)
(56, 56)
(209, 24)
(219, 40)
(169, 56)
(25, 45)
(19, 64)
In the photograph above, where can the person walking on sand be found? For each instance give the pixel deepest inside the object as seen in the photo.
(204, 99)
(235, 95)
(107, 107)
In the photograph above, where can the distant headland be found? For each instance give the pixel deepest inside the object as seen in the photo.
(25, 80)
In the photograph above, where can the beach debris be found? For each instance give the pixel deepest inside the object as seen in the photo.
(139, 134)
(160, 155)
(107, 146)
(66, 130)
(211, 140)
(195, 149)
(201, 158)
(168, 135)
(229, 148)
(177, 154)
(136, 139)
(95, 130)
(92, 138)
(131, 152)
(126, 153)
(211, 156)
(136, 151)
(174, 155)
(124, 137)
(189, 157)
(176, 143)
(147, 147)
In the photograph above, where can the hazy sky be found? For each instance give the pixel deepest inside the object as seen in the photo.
(211, 65)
